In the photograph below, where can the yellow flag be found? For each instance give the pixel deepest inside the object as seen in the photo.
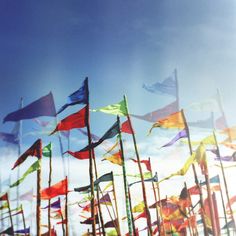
(107, 186)
(115, 159)
(174, 120)
(139, 207)
(209, 140)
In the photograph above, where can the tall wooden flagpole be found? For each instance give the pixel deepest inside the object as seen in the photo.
(149, 223)
(125, 182)
(195, 174)
(38, 202)
(49, 185)
(23, 218)
(9, 212)
(90, 166)
(66, 209)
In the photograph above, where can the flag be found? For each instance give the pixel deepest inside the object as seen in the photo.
(200, 157)
(145, 162)
(115, 109)
(153, 179)
(32, 168)
(105, 199)
(114, 158)
(159, 114)
(127, 128)
(89, 221)
(47, 150)
(181, 134)
(3, 197)
(112, 132)
(22, 231)
(174, 120)
(76, 120)
(8, 231)
(230, 224)
(28, 196)
(231, 201)
(227, 158)
(34, 150)
(44, 106)
(194, 190)
(167, 86)
(56, 204)
(141, 215)
(81, 155)
(213, 180)
(4, 206)
(207, 123)
(10, 138)
(230, 131)
(60, 188)
(220, 123)
(62, 222)
(81, 96)
(140, 207)
(111, 224)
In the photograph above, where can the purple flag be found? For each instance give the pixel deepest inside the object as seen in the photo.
(10, 138)
(111, 224)
(181, 134)
(22, 231)
(105, 199)
(160, 113)
(44, 106)
(55, 205)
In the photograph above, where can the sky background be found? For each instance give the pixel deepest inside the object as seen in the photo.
(53, 45)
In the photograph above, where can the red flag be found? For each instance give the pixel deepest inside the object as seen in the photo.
(194, 190)
(231, 201)
(76, 120)
(126, 128)
(81, 155)
(3, 197)
(34, 150)
(62, 222)
(145, 162)
(142, 215)
(61, 188)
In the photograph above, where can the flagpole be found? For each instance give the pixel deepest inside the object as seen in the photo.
(149, 223)
(23, 218)
(66, 209)
(195, 173)
(9, 212)
(224, 178)
(62, 225)
(91, 168)
(125, 181)
(116, 206)
(49, 185)
(38, 203)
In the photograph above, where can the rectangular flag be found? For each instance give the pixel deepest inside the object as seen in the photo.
(34, 150)
(78, 97)
(47, 150)
(181, 134)
(60, 188)
(23, 231)
(44, 106)
(76, 120)
(167, 86)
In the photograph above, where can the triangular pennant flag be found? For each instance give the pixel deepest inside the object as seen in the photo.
(145, 162)
(22, 231)
(81, 155)
(44, 106)
(114, 158)
(105, 199)
(181, 134)
(78, 97)
(126, 128)
(47, 150)
(55, 205)
(3, 197)
(8, 231)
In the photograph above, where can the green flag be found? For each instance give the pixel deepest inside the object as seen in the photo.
(47, 150)
(115, 109)
(32, 168)
(4, 206)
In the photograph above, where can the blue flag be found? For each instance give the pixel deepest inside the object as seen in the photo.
(44, 106)
(22, 231)
(78, 97)
(168, 86)
(10, 138)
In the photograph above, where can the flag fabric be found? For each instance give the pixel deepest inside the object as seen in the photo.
(34, 150)
(145, 162)
(220, 123)
(141, 215)
(8, 231)
(111, 224)
(4, 206)
(153, 179)
(81, 155)
(174, 120)
(56, 204)
(232, 200)
(114, 109)
(227, 158)
(231, 131)
(89, 221)
(47, 150)
(44, 106)
(140, 207)
(194, 190)
(213, 180)
(114, 158)
(112, 132)
(35, 166)
(181, 134)
(207, 123)
(60, 188)
(4, 197)
(230, 224)
(127, 128)
(22, 231)
(76, 120)
(160, 113)
(80, 96)
(105, 199)
(9, 138)
(28, 196)
(62, 222)
(167, 86)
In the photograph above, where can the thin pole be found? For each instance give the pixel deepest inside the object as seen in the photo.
(116, 206)
(149, 223)
(66, 209)
(62, 225)
(224, 178)
(23, 218)
(125, 183)
(49, 185)
(9, 211)
(38, 203)
(195, 174)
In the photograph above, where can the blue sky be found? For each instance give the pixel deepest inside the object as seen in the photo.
(52, 45)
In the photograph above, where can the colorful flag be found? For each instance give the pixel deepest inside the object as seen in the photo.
(114, 158)
(78, 97)
(231, 131)
(127, 128)
(62, 222)
(22, 231)
(34, 150)
(227, 158)
(8, 231)
(213, 180)
(3, 197)
(145, 162)
(181, 134)
(194, 190)
(153, 179)
(4, 206)
(160, 113)
(33, 167)
(207, 123)
(56, 205)
(174, 120)
(44, 106)
(112, 132)
(10, 138)
(105, 199)
(115, 109)
(230, 224)
(60, 188)
(140, 207)
(47, 150)
(76, 120)
(89, 221)
(111, 224)
(81, 155)
(141, 215)
(167, 86)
